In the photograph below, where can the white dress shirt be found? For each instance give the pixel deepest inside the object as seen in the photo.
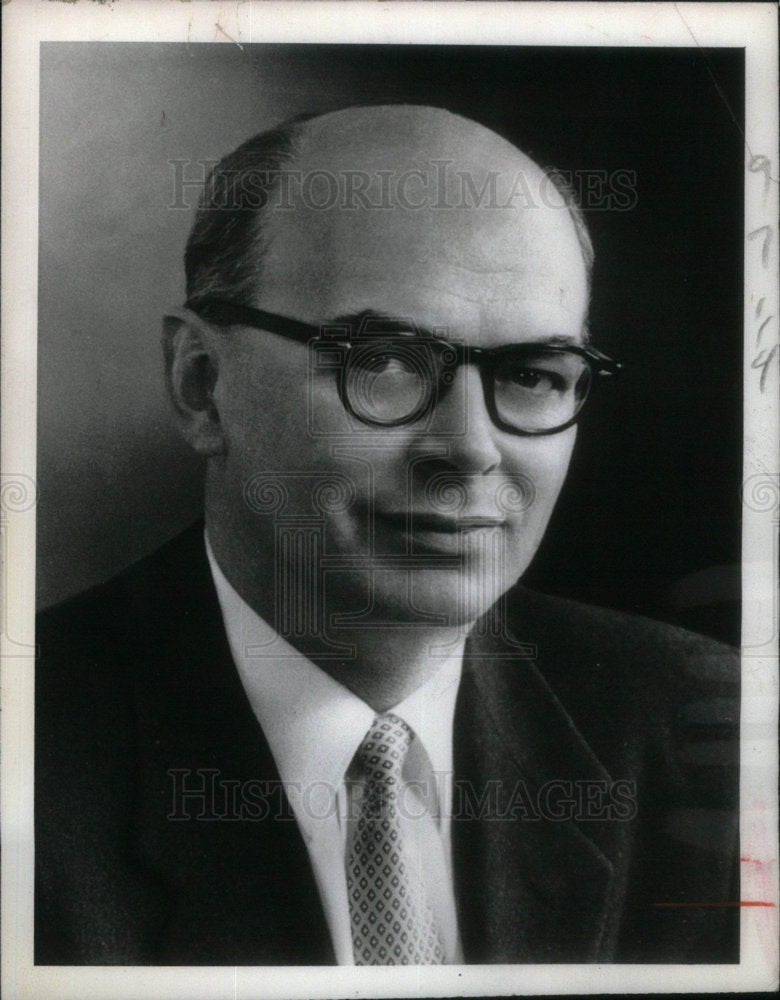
(314, 726)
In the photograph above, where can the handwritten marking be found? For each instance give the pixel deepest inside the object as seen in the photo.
(762, 165)
(766, 243)
(761, 328)
(763, 360)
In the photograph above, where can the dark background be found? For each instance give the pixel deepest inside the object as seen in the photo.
(649, 519)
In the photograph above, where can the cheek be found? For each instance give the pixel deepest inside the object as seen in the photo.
(542, 464)
(557, 461)
(277, 449)
(264, 416)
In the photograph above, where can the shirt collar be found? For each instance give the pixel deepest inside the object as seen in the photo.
(313, 723)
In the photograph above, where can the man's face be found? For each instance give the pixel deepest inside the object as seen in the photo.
(485, 276)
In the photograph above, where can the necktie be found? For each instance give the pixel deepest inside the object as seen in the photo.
(392, 922)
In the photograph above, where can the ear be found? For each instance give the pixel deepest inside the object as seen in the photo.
(191, 372)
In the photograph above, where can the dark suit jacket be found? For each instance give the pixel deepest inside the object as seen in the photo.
(595, 771)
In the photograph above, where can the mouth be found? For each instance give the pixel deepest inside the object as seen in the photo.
(437, 533)
(439, 523)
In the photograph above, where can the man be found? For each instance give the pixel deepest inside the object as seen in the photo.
(322, 731)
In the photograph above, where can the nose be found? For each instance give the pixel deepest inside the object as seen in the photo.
(461, 420)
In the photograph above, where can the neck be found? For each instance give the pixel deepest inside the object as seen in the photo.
(389, 662)
(381, 662)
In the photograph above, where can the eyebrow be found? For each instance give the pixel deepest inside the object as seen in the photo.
(560, 340)
(392, 324)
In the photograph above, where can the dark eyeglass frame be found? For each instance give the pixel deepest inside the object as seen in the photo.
(488, 360)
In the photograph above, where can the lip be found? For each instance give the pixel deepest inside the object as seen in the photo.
(440, 523)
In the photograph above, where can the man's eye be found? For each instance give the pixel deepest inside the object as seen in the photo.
(389, 365)
(394, 359)
(536, 379)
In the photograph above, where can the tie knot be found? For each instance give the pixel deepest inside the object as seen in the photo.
(383, 750)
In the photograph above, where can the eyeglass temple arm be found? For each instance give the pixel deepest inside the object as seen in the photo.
(220, 311)
(606, 365)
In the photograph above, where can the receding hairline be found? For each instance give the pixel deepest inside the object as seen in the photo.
(214, 265)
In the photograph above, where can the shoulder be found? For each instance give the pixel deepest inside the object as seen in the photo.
(144, 592)
(623, 677)
(101, 652)
(95, 648)
(582, 633)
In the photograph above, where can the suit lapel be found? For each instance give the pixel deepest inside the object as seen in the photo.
(213, 822)
(530, 887)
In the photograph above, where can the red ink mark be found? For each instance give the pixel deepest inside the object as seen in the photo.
(738, 902)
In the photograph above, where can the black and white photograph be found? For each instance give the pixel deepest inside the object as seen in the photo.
(390, 499)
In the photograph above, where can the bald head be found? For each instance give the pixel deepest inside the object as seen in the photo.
(359, 189)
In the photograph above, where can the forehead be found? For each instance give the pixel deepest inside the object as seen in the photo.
(436, 220)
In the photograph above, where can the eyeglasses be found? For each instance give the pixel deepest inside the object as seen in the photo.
(389, 374)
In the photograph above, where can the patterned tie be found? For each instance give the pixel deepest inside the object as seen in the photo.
(392, 922)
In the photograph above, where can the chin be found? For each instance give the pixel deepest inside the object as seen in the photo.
(422, 597)
(439, 598)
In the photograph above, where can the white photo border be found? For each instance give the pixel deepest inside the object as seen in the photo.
(752, 25)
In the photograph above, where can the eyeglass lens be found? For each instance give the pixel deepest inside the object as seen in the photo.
(391, 383)
(541, 391)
